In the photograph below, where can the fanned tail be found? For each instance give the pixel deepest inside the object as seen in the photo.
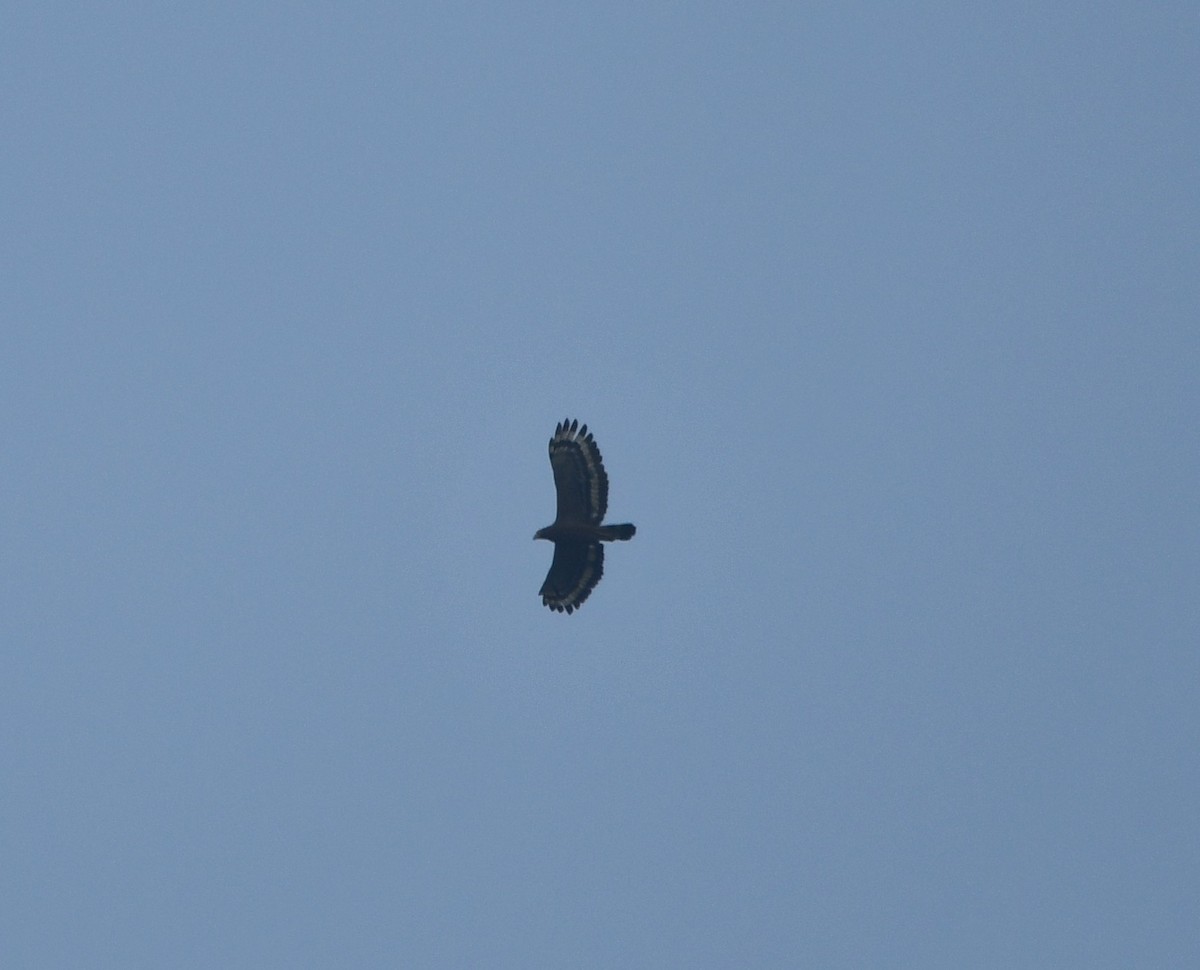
(614, 533)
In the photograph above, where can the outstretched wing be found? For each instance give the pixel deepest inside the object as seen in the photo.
(579, 477)
(574, 573)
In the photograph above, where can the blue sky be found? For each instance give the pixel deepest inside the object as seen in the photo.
(885, 319)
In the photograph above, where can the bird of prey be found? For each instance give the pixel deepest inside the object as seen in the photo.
(582, 487)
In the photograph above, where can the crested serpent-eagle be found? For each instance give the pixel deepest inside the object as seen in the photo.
(582, 487)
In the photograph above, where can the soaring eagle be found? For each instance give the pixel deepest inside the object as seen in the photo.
(582, 487)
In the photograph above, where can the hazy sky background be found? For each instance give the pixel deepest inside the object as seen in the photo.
(887, 320)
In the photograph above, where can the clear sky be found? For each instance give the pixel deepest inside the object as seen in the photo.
(887, 321)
